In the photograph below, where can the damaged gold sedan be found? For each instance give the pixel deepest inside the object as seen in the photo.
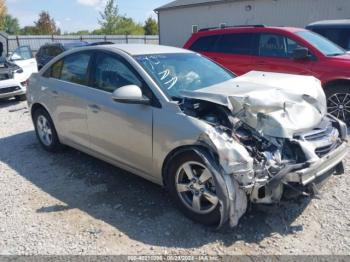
(216, 141)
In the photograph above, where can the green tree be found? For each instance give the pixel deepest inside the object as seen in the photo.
(46, 25)
(109, 17)
(97, 32)
(81, 32)
(112, 23)
(127, 26)
(29, 30)
(11, 25)
(151, 26)
(3, 13)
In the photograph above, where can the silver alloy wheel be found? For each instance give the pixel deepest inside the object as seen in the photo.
(196, 188)
(339, 105)
(44, 130)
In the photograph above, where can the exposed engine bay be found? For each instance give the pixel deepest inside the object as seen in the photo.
(260, 163)
(8, 69)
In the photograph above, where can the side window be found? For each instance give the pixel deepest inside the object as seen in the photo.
(241, 44)
(54, 51)
(272, 45)
(112, 73)
(55, 70)
(44, 51)
(205, 44)
(75, 68)
(291, 46)
(346, 42)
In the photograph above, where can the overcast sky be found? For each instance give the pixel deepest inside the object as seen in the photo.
(74, 15)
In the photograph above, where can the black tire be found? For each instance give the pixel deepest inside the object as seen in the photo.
(337, 98)
(208, 219)
(55, 144)
(21, 98)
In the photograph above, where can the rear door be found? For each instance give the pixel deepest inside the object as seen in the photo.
(275, 54)
(66, 90)
(232, 50)
(23, 57)
(235, 51)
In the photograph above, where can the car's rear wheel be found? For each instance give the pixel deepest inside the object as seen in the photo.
(21, 98)
(45, 130)
(192, 187)
(338, 102)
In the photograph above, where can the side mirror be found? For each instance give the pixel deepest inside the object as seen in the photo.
(130, 94)
(301, 53)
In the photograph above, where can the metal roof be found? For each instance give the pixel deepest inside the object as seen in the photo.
(143, 49)
(188, 3)
(343, 22)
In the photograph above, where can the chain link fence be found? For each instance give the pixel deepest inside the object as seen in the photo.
(11, 42)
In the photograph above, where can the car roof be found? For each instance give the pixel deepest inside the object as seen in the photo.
(146, 49)
(68, 44)
(257, 28)
(331, 23)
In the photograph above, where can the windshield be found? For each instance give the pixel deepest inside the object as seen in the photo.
(322, 44)
(177, 72)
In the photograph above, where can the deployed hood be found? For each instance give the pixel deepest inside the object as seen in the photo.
(274, 104)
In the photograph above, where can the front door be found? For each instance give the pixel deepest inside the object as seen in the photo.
(275, 54)
(121, 132)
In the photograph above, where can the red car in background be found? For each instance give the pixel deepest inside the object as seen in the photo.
(281, 49)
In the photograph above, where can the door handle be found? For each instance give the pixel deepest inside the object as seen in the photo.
(94, 108)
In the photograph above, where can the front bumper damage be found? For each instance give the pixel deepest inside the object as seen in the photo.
(319, 168)
(234, 174)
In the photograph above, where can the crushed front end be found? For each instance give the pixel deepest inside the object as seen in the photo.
(296, 161)
(12, 79)
(266, 138)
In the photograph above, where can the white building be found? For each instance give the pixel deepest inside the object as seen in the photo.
(178, 19)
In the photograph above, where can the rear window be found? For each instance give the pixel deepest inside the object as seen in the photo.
(72, 68)
(54, 51)
(75, 68)
(242, 44)
(205, 44)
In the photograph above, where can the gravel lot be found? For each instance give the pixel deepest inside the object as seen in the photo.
(71, 203)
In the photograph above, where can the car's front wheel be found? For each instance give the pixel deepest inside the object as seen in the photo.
(338, 102)
(45, 130)
(192, 187)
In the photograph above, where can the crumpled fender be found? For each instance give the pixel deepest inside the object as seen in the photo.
(232, 199)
